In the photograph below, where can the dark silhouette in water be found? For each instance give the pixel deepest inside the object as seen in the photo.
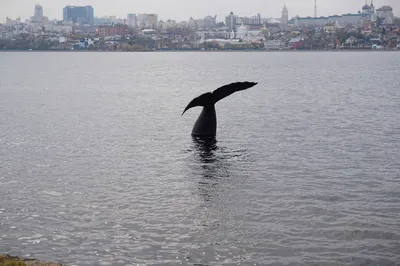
(205, 147)
(211, 166)
(206, 124)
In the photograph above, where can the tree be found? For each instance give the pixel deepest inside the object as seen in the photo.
(265, 32)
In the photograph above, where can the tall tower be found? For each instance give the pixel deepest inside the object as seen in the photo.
(315, 8)
(230, 21)
(132, 20)
(285, 15)
(233, 24)
(38, 13)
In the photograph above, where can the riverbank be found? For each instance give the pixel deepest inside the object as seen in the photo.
(7, 260)
(205, 51)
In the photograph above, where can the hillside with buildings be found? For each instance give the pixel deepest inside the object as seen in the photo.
(368, 28)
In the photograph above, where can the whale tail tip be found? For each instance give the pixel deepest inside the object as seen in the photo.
(211, 98)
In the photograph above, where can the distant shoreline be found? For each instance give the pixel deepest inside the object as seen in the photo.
(207, 51)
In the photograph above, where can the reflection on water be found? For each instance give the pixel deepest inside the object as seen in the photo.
(215, 164)
(213, 170)
(210, 165)
(205, 147)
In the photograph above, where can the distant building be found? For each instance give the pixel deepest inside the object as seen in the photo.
(38, 14)
(210, 22)
(285, 15)
(112, 30)
(242, 20)
(330, 28)
(199, 24)
(242, 32)
(230, 22)
(101, 21)
(183, 24)
(295, 43)
(170, 24)
(385, 13)
(147, 21)
(192, 23)
(162, 25)
(368, 9)
(256, 20)
(274, 44)
(132, 20)
(109, 20)
(148, 31)
(79, 14)
(253, 20)
(353, 19)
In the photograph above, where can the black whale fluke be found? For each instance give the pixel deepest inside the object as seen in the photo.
(206, 124)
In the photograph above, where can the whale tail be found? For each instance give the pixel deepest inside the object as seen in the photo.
(211, 98)
(205, 99)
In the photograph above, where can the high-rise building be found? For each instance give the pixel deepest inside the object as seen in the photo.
(38, 14)
(147, 21)
(385, 14)
(285, 15)
(230, 21)
(132, 20)
(79, 14)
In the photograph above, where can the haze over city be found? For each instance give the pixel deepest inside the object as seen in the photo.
(182, 9)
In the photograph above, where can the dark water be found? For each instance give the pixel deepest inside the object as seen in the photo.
(97, 166)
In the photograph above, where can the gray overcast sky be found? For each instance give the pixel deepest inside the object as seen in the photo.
(183, 9)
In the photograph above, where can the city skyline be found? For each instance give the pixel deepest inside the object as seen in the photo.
(167, 9)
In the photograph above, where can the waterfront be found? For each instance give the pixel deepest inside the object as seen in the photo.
(363, 50)
(97, 166)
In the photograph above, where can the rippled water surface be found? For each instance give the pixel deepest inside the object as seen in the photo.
(97, 165)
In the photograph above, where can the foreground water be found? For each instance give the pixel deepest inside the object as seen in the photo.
(97, 166)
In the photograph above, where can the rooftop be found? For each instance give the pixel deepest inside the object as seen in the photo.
(334, 16)
(385, 8)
